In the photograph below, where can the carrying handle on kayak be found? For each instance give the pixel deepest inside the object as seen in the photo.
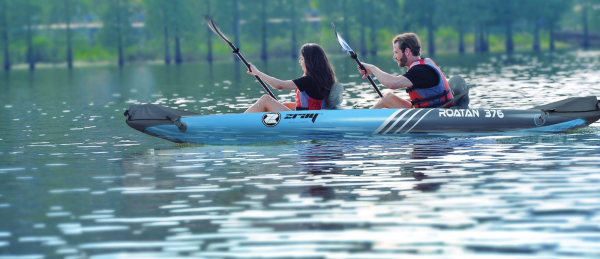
(353, 55)
(213, 27)
(180, 125)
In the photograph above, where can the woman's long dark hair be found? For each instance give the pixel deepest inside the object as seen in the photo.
(318, 67)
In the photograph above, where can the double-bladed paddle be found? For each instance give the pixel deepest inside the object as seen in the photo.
(213, 26)
(347, 48)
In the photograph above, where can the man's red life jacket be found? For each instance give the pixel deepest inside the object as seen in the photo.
(431, 97)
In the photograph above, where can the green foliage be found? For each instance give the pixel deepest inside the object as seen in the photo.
(266, 28)
(117, 18)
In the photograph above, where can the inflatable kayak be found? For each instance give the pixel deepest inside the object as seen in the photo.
(187, 127)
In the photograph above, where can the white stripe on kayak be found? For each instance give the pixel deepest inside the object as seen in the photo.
(387, 121)
(409, 119)
(418, 121)
(397, 120)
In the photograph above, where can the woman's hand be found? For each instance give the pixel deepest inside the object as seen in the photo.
(253, 70)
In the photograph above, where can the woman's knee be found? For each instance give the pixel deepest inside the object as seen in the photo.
(389, 95)
(266, 97)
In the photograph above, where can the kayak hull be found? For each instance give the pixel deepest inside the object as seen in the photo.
(370, 123)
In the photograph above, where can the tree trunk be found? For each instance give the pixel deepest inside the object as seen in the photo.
(510, 47)
(476, 43)
(586, 36)
(397, 8)
(5, 37)
(30, 57)
(236, 24)
(481, 45)
(209, 54)
(263, 49)
(178, 58)
(346, 20)
(536, 36)
(430, 36)
(166, 34)
(461, 40)
(69, 51)
(119, 36)
(485, 36)
(167, 53)
(294, 47)
(551, 37)
(363, 43)
(373, 30)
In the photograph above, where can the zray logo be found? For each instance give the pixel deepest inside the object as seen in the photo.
(312, 116)
(271, 119)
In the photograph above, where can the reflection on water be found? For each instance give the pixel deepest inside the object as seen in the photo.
(76, 182)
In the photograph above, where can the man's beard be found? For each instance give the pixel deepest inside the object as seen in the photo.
(403, 60)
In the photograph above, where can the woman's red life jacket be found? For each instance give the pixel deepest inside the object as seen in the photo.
(305, 101)
(431, 97)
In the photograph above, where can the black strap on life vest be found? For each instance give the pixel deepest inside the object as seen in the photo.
(443, 95)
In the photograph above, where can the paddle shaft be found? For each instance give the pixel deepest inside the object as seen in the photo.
(213, 26)
(360, 65)
(237, 53)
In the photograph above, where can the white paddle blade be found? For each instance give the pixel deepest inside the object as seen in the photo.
(213, 26)
(343, 43)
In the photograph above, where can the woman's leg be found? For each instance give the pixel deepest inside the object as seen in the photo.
(266, 103)
(390, 100)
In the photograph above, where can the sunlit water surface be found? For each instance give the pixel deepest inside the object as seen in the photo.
(76, 182)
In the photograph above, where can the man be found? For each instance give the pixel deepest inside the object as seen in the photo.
(424, 81)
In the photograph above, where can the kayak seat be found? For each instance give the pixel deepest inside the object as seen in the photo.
(335, 98)
(460, 91)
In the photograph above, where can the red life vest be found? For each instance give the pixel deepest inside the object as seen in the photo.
(305, 101)
(431, 97)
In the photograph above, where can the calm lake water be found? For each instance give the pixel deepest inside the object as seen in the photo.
(77, 182)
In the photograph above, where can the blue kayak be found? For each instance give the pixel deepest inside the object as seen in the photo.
(188, 127)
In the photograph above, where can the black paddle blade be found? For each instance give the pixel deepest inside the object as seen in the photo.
(213, 26)
(341, 40)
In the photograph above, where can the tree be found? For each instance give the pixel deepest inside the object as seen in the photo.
(63, 12)
(5, 40)
(25, 14)
(481, 20)
(505, 12)
(293, 31)
(424, 13)
(172, 19)
(584, 17)
(461, 14)
(263, 21)
(68, 23)
(373, 25)
(236, 26)
(159, 14)
(545, 14)
(117, 30)
(362, 24)
(209, 54)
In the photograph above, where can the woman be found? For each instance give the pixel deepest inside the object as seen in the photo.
(316, 89)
